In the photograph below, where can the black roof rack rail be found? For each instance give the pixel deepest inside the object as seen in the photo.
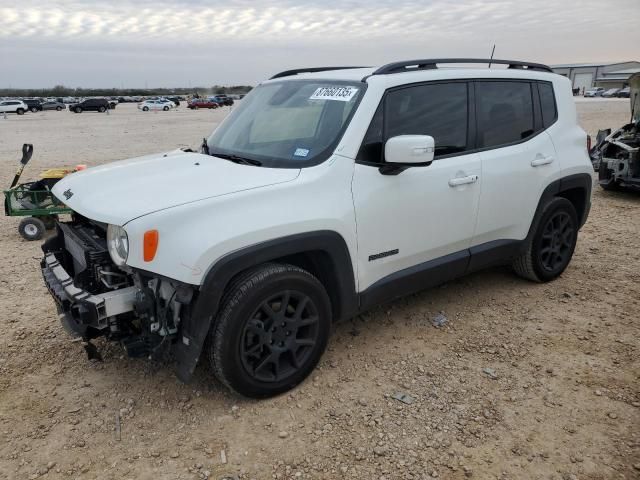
(413, 65)
(289, 73)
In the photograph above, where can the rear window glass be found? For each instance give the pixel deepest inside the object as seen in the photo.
(548, 104)
(505, 113)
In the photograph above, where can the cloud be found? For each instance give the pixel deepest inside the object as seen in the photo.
(292, 32)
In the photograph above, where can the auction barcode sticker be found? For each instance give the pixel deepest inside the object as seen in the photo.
(342, 94)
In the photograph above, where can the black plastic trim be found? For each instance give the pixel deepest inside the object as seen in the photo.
(496, 252)
(296, 71)
(432, 63)
(582, 181)
(195, 328)
(416, 278)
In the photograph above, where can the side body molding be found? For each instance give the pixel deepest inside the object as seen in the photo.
(329, 244)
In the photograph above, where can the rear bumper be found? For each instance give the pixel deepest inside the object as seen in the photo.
(80, 308)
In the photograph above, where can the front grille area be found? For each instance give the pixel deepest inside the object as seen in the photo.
(83, 254)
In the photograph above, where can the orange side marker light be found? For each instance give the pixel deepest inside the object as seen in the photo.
(150, 244)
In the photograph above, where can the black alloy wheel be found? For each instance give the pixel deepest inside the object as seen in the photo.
(549, 248)
(279, 336)
(270, 331)
(557, 241)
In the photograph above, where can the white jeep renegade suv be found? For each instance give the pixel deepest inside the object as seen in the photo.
(327, 191)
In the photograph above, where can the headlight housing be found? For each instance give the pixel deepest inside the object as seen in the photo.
(117, 244)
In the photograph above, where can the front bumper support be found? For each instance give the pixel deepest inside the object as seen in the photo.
(82, 308)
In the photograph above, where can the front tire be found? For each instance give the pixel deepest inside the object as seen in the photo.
(145, 109)
(31, 228)
(20, 111)
(166, 109)
(78, 110)
(271, 331)
(550, 248)
(102, 109)
(58, 109)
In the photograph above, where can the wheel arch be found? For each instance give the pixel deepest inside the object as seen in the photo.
(575, 188)
(323, 253)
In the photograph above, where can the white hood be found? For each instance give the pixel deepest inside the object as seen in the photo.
(118, 192)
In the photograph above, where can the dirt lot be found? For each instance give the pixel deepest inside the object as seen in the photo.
(561, 399)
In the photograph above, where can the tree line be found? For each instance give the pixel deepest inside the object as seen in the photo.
(62, 91)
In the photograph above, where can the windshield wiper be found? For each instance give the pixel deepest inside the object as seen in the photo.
(237, 159)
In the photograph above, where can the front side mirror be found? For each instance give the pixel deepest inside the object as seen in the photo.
(409, 150)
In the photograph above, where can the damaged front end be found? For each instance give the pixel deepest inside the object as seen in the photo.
(95, 298)
(616, 156)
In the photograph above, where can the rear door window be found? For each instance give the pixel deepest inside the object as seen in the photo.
(504, 113)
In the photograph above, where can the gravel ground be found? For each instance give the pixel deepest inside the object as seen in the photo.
(524, 381)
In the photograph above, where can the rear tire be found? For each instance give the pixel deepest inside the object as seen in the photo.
(550, 248)
(272, 328)
(31, 228)
(77, 110)
(33, 109)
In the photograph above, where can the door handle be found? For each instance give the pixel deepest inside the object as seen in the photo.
(541, 160)
(455, 182)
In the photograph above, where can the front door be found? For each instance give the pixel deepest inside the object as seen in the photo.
(424, 213)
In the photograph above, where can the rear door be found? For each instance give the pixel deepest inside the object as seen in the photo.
(518, 156)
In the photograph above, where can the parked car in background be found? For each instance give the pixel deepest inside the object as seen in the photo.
(197, 103)
(53, 105)
(594, 92)
(175, 100)
(611, 92)
(147, 105)
(69, 100)
(13, 106)
(624, 92)
(222, 100)
(33, 104)
(90, 105)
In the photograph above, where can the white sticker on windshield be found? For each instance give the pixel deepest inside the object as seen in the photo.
(301, 152)
(342, 94)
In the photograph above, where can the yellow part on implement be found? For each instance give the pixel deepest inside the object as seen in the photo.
(57, 172)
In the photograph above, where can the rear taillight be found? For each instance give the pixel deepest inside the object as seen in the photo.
(588, 143)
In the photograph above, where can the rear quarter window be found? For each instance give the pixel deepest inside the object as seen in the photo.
(547, 104)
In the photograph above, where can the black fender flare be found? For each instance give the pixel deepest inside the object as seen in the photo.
(582, 181)
(196, 326)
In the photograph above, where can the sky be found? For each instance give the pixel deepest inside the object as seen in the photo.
(171, 43)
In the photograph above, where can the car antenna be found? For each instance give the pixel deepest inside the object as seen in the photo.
(493, 50)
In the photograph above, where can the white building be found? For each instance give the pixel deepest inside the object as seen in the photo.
(607, 75)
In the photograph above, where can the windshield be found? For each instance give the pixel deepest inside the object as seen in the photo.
(292, 123)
